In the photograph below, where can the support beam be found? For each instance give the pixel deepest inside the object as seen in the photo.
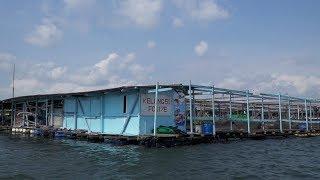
(298, 107)
(155, 110)
(51, 113)
(14, 112)
(24, 109)
(248, 113)
(230, 112)
(12, 121)
(280, 114)
(46, 112)
(213, 113)
(289, 114)
(36, 113)
(76, 114)
(310, 116)
(190, 108)
(262, 113)
(102, 112)
(306, 113)
(2, 113)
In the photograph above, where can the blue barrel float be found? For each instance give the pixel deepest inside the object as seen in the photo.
(302, 126)
(207, 128)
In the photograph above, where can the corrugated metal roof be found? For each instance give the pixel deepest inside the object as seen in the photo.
(61, 95)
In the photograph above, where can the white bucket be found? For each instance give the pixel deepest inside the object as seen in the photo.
(198, 129)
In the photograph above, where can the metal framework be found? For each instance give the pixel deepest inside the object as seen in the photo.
(226, 109)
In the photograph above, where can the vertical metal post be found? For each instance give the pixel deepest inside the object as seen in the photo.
(280, 114)
(76, 114)
(248, 115)
(289, 114)
(14, 112)
(155, 111)
(230, 112)
(262, 112)
(46, 112)
(12, 101)
(306, 112)
(2, 113)
(310, 115)
(11, 121)
(24, 115)
(298, 111)
(213, 113)
(102, 112)
(51, 113)
(191, 109)
(36, 118)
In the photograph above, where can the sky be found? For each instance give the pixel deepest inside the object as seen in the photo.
(76, 45)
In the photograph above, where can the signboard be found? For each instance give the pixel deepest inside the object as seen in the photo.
(179, 109)
(164, 105)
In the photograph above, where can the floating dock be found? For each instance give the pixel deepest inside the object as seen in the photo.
(162, 115)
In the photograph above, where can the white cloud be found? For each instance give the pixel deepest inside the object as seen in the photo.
(151, 44)
(301, 83)
(114, 70)
(6, 61)
(177, 22)
(202, 10)
(29, 85)
(201, 48)
(78, 4)
(45, 34)
(231, 83)
(144, 13)
(58, 72)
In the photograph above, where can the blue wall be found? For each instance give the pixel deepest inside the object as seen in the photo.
(104, 114)
(110, 120)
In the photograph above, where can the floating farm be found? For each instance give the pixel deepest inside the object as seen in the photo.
(161, 115)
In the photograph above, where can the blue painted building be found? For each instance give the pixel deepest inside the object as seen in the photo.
(124, 111)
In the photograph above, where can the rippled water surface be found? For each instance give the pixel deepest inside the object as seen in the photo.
(37, 158)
